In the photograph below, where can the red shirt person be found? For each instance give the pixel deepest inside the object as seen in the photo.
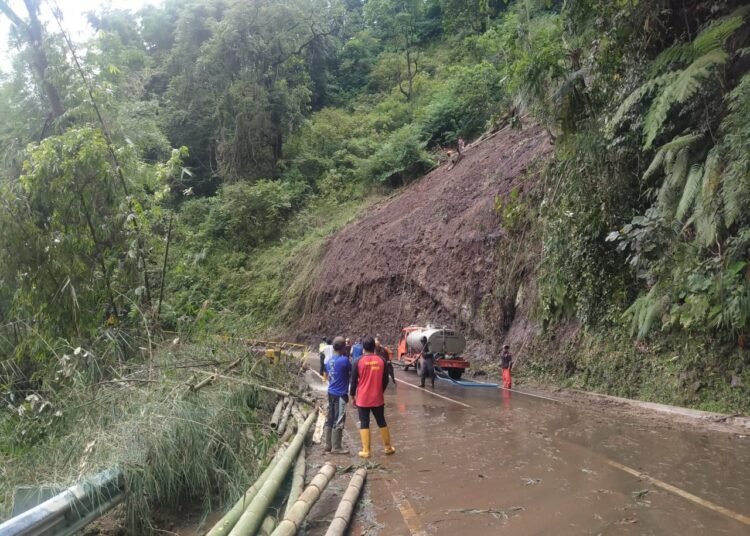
(369, 380)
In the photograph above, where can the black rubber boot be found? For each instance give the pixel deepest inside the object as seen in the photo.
(337, 437)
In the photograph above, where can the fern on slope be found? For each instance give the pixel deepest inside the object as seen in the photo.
(679, 91)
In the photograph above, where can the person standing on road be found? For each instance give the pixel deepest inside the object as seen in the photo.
(325, 355)
(339, 373)
(387, 356)
(369, 380)
(506, 362)
(357, 350)
(427, 369)
(321, 347)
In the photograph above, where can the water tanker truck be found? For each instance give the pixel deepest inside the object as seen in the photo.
(445, 343)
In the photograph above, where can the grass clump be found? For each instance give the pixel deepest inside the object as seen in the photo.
(176, 448)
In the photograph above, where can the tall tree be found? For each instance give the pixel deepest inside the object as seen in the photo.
(32, 32)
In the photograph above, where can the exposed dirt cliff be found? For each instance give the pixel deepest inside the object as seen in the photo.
(429, 253)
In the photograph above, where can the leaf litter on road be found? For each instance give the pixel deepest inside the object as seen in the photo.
(494, 512)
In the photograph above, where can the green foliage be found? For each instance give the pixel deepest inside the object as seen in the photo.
(399, 159)
(249, 215)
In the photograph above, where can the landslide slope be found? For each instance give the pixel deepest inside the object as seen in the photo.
(428, 253)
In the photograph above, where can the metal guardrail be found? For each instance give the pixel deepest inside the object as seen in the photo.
(68, 512)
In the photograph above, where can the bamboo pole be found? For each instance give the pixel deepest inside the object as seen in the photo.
(226, 523)
(269, 523)
(251, 519)
(298, 481)
(298, 415)
(285, 418)
(319, 425)
(346, 507)
(292, 521)
(277, 413)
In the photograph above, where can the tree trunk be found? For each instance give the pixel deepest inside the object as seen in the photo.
(35, 37)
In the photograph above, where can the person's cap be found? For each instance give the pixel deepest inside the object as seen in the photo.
(423, 339)
(506, 347)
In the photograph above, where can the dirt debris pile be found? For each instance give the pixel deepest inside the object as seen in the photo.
(428, 253)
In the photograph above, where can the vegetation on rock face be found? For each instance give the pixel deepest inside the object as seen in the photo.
(182, 169)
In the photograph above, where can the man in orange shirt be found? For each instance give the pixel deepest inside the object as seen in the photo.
(369, 380)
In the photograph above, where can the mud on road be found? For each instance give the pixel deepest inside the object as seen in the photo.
(486, 461)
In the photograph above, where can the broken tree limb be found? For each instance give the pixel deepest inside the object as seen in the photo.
(285, 417)
(298, 481)
(201, 384)
(346, 507)
(259, 386)
(252, 518)
(227, 522)
(277, 413)
(300, 509)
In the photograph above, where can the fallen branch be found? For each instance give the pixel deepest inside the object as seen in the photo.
(259, 386)
(296, 515)
(346, 507)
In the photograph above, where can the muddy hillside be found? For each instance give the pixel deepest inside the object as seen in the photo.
(427, 254)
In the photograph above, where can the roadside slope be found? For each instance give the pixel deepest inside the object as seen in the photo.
(427, 253)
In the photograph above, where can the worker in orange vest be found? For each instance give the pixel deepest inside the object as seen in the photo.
(369, 380)
(506, 362)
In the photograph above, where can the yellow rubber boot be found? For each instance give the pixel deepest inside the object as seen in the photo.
(385, 434)
(364, 434)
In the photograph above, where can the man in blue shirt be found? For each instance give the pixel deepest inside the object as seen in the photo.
(339, 370)
(357, 350)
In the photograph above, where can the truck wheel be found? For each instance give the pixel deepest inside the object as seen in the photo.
(455, 373)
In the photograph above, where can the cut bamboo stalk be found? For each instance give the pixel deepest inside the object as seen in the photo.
(285, 417)
(299, 416)
(298, 481)
(252, 518)
(277, 413)
(344, 512)
(226, 523)
(269, 523)
(300, 509)
(318, 435)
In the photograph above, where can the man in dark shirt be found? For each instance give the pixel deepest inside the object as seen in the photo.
(506, 362)
(369, 380)
(387, 356)
(427, 369)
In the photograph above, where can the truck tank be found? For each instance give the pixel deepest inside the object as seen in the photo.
(442, 340)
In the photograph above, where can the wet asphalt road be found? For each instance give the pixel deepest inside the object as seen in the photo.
(488, 461)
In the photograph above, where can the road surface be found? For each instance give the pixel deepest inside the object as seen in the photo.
(488, 461)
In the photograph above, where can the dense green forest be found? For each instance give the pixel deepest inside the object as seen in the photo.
(179, 171)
